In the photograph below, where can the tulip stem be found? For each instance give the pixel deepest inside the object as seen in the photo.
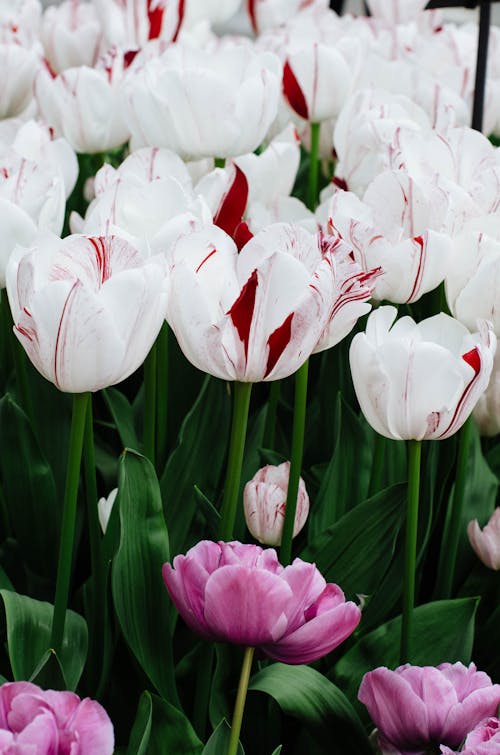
(97, 585)
(80, 401)
(162, 395)
(312, 192)
(239, 705)
(272, 410)
(150, 405)
(219, 162)
(242, 392)
(414, 454)
(299, 424)
(454, 514)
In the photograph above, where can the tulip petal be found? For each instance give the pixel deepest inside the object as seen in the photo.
(246, 606)
(317, 637)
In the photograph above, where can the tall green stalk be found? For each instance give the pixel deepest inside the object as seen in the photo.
(299, 425)
(150, 405)
(414, 455)
(80, 401)
(312, 189)
(241, 404)
(239, 705)
(453, 524)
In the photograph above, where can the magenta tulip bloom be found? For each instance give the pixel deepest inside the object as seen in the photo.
(483, 740)
(416, 708)
(230, 592)
(43, 722)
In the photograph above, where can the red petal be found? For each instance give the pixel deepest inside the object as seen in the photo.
(473, 359)
(293, 93)
(241, 312)
(242, 235)
(251, 7)
(233, 203)
(155, 17)
(277, 342)
(180, 18)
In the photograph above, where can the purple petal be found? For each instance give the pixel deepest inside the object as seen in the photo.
(480, 704)
(397, 712)
(436, 692)
(306, 584)
(316, 638)
(246, 606)
(92, 729)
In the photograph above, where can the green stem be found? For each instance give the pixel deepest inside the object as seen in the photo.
(272, 410)
(80, 401)
(454, 515)
(219, 162)
(299, 424)
(162, 395)
(312, 189)
(414, 454)
(377, 470)
(150, 404)
(239, 705)
(242, 392)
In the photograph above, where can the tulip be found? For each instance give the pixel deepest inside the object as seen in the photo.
(396, 11)
(483, 740)
(486, 542)
(129, 24)
(232, 315)
(86, 309)
(81, 104)
(230, 592)
(19, 66)
(71, 35)
(316, 81)
(419, 381)
(39, 721)
(104, 508)
(203, 104)
(267, 14)
(264, 502)
(487, 409)
(417, 708)
(149, 200)
(398, 227)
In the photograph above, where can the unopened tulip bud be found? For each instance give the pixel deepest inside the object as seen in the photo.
(264, 501)
(104, 507)
(486, 542)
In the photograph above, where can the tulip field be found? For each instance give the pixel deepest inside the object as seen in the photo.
(249, 379)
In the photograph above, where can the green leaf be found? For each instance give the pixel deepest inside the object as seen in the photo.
(210, 513)
(123, 417)
(442, 632)
(345, 482)
(307, 695)
(161, 728)
(357, 550)
(197, 460)
(140, 598)
(29, 490)
(49, 674)
(219, 741)
(29, 624)
(277, 751)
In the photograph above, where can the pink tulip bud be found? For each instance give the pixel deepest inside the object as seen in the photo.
(264, 501)
(486, 542)
(483, 740)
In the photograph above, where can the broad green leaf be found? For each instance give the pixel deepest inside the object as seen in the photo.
(306, 694)
(49, 674)
(277, 751)
(141, 601)
(357, 550)
(160, 728)
(345, 482)
(123, 417)
(225, 679)
(219, 741)
(29, 490)
(442, 632)
(29, 625)
(197, 460)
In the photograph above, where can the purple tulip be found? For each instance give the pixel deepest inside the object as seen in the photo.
(241, 594)
(415, 707)
(483, 740)
(40, 722)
